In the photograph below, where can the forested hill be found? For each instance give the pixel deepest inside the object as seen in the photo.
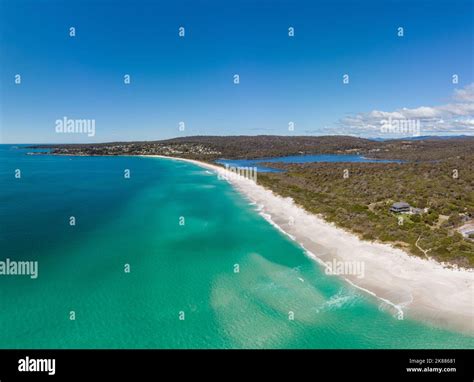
(261, 146)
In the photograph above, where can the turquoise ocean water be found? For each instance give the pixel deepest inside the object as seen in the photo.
(174, 268)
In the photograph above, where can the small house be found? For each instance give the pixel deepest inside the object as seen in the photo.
(400, 207)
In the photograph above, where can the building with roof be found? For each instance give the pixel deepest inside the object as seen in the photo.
(400, 207)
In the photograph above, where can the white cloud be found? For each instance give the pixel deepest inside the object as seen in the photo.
(456, 117)
(464, 95)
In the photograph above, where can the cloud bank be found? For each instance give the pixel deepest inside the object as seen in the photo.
(454, 118)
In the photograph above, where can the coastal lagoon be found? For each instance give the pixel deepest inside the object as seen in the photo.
(333, 158)
(171, 257)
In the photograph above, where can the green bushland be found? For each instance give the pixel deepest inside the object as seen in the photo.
(361, 201)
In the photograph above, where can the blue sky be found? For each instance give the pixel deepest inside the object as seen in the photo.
(190, 79)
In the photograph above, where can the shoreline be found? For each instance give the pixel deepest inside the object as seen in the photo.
(407, 286)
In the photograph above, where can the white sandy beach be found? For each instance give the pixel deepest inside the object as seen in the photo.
(406, 286)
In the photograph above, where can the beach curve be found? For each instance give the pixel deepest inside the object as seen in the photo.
(410, 286)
